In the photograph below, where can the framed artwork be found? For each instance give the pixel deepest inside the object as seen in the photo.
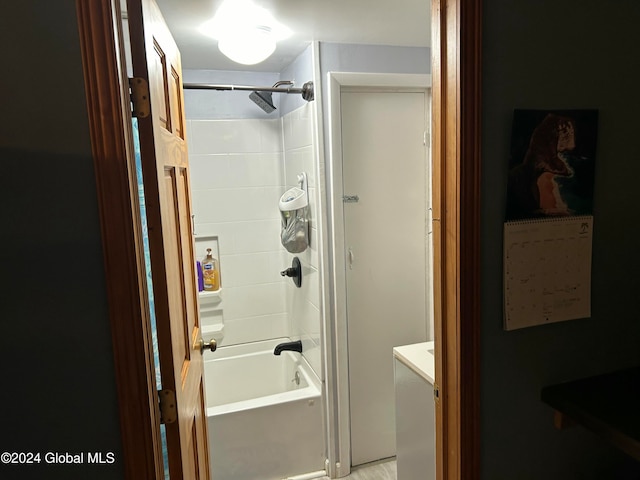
(551, 166)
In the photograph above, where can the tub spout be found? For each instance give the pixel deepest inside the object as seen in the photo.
(293, 346)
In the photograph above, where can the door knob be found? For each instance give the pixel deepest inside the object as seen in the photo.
(211, 345)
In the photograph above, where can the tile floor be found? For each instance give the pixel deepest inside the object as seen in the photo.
(381, 470)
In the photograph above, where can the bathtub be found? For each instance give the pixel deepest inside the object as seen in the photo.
(264, 414)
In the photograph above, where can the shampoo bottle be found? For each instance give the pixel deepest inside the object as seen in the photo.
(200, 277)
(210, 272)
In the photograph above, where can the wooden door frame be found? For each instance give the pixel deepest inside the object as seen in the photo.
(456, 70)
(456, 77)
(109, 118)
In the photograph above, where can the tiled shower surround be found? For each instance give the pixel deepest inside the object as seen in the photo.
(239, 170)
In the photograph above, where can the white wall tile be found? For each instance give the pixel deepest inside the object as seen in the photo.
(302, 303)
(286, 131)
(271, 136)
(313, 257)
(299, 156)
(255, 170)
(310, 256)
(268, 203)
(254, 329)
(277, 263)
(254, 300)
(297, 161)
(208, 171)
(298, 128)
(240, 204)
(225, 136)
(239, 169)
(313, 353)
(206, 137)
(247, 136)
(305, 316)
(312, 290)
(209, 205)
(188, 126)
(245, 204)
(251, 269)
(257, 236)
(313, 203)
(301, 128)
(237, 136)
(211, 316)
(224, 232)
(261, 236)
(275, 161)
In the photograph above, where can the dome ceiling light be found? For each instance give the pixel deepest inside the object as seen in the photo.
(246, 33)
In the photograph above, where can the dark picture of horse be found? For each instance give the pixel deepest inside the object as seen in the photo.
(551, 169)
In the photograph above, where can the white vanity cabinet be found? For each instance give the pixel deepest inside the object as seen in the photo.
(415, 411)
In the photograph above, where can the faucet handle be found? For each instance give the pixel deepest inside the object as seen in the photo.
(289, 272)
(294, 271)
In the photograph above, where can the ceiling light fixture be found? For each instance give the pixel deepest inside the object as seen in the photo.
(248, 46)
(246, 33)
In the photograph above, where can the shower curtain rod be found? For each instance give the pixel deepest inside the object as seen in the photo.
(306, 90)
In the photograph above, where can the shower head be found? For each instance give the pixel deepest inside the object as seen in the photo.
(263, 100)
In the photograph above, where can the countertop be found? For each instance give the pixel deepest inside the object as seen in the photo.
(419, 358)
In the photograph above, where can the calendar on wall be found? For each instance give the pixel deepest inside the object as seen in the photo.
(547, 270)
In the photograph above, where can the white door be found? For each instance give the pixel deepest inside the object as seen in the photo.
(385, 165)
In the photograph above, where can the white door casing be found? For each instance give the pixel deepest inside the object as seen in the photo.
(338, 373)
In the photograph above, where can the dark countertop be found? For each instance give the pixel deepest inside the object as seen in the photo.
(608, 405)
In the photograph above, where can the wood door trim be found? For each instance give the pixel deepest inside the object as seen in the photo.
(469, 241)
(456, 154)
(99, 26)
(456, 46)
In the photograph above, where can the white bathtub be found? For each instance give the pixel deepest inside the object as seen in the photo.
(264, 413)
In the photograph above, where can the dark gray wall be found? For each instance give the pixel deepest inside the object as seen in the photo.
(58, 388)
(560, 54)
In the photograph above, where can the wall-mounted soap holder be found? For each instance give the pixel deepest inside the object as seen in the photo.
(296, 197)
(294, 212)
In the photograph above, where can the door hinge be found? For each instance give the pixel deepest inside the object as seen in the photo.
(350, 198)
(436, 392)
(168, 408)
(140, 97)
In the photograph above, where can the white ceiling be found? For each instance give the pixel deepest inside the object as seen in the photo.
(376, 22)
